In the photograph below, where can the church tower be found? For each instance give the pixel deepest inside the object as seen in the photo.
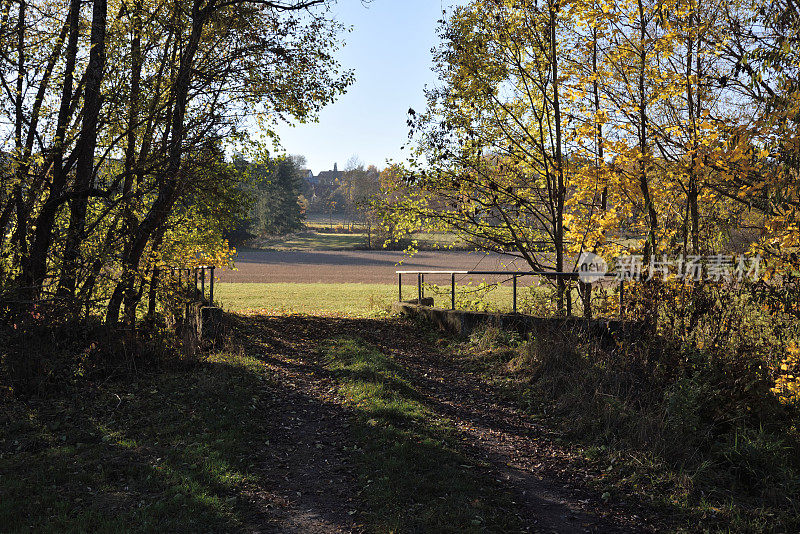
(335, 168)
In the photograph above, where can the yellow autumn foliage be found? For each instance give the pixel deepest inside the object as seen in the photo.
(787, 385)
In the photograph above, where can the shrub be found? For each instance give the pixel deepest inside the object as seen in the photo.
(39, 356)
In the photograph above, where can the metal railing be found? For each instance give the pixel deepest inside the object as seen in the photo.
(568, 276)
(195, 279)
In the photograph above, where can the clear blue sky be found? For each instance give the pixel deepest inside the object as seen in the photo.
(389, 49)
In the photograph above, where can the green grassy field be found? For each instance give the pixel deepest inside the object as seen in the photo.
(319, 237)
(374, 300)
(313, 299)
(355, 300)
(314, 241)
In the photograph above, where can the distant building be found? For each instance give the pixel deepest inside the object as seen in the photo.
(373, 174)
(329, 177)
(321, 184)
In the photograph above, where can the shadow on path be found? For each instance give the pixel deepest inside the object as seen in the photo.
(548, 483)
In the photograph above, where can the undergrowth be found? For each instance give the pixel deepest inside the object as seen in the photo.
(168, 451)
(43, 357)
(695, 418)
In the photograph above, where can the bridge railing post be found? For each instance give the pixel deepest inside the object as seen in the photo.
(514, 276)
(211, 286)
(569, 297)
(202, 283)
(452, 291)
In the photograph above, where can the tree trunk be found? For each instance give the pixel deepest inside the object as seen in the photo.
(19, 119)
(650, 288)
(652, 220)
(45, 222)
(600, 154)
(691, 190)
(170, 181)
(84, 168)
(560, 192)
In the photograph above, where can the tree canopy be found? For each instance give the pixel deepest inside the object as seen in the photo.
(636, 127)
(116, 119)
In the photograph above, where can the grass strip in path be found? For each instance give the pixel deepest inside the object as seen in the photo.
(413, 476)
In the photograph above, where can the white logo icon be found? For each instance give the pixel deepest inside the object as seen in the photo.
(591, 267)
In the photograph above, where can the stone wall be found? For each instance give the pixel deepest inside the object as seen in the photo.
(463, 322)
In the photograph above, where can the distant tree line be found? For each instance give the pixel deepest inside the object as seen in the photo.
(281, 196)
(345, 194)
(275, 189)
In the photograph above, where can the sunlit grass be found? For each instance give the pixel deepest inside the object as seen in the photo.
(323, 237)
(313, 299)
(139, 454)
(374, 300)
(310, 241)
(342, 299)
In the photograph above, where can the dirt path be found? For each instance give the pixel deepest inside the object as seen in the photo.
(548, 480)
(549, 483)
(305, 456)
